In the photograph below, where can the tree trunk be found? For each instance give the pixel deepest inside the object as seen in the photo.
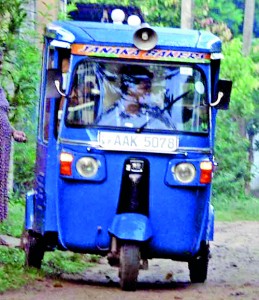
(187, 14)
(248, 26)
(247, 41)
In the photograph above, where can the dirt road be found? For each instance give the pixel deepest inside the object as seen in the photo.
(233, 274)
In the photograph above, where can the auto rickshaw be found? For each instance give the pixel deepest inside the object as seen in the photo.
(121, 174)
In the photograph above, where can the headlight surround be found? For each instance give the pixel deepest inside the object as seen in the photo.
(184, 172)
(87, 167)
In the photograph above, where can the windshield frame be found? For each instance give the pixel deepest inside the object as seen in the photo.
(195, 67)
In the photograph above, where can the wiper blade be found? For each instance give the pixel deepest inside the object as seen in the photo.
(168, 107)
(175, 100)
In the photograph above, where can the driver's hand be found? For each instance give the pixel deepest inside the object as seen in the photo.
(19, 136)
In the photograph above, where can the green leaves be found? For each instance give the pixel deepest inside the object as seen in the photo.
(241, 70)
(157, 12)
(12, 15)
(20, 79)
(162, 13)
(219, 11)
(231, 153)
(232, 145)
(12, 273)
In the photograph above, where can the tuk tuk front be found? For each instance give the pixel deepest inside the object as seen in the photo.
(125, 144)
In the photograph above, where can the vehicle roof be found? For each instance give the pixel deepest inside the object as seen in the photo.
(122, 35)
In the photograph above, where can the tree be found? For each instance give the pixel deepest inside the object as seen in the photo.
(157, 12)
(234, 171)
(218, 12)
(225, 20)
(187, 16)
(248, 26)
(251, 125)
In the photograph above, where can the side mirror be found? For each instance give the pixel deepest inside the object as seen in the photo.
(224, 90)
(54, 82)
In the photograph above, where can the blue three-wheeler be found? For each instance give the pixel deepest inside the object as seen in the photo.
(125, 144)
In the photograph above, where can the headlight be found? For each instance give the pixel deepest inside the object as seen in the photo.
(87, 166)
(184, 172)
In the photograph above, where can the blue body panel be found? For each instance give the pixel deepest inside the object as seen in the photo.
(83, 212)
(29, 211)
(178, 215)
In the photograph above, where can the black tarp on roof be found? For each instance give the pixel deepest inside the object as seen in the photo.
(102, 12)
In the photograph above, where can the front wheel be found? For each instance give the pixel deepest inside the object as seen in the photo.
(129, 266)
(198, 266)
(34, 249)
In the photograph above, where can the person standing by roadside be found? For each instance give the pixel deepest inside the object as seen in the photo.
(7, 132)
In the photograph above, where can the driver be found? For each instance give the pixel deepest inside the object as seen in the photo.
(135, 108)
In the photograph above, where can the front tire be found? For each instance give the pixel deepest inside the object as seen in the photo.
(129, 266)
(198, 266)
(34, 249)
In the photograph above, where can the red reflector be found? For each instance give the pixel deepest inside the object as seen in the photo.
(206, 172)
(66, 160)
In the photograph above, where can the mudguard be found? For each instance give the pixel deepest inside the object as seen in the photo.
(210, 228)
(131, 226)
(29, 210)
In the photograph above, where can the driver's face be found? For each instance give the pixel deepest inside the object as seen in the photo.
(140, 89)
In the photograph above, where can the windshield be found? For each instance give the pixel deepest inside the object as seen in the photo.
(138, 96)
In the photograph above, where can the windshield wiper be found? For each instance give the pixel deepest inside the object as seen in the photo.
(168, 107)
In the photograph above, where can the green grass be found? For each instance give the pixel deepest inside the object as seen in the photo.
(13, 225)
(13, 275)
(59, 262)
(246, 210)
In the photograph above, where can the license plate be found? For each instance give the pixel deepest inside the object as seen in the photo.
(121, 141)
